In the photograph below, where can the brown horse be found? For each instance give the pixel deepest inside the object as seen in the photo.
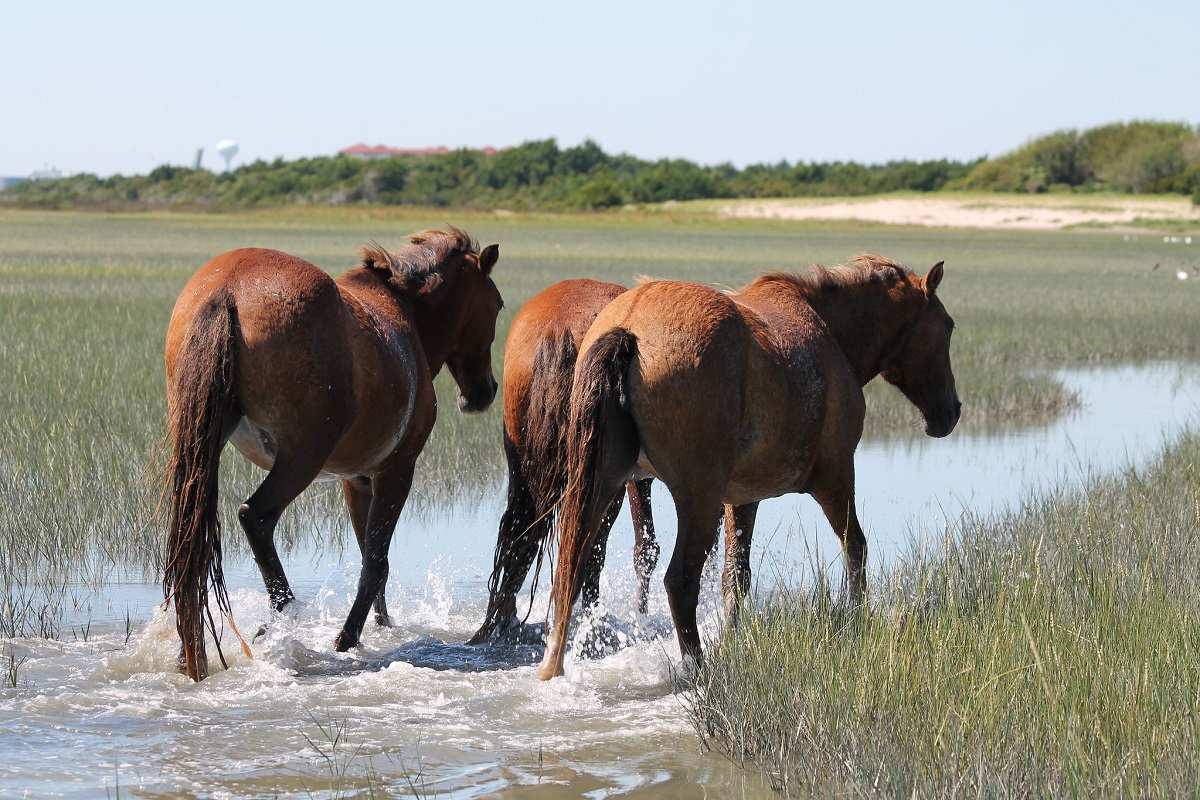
(539, 366)
(312, 378)
(740, 397)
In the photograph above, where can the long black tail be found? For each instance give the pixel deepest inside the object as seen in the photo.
(537, 467)
(201, 408)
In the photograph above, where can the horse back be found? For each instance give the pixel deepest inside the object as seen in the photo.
(748, 395)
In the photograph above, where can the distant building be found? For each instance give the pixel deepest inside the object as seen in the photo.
(48, 174)
(382, 151)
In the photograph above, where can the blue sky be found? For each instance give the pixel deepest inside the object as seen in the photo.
(125, 86)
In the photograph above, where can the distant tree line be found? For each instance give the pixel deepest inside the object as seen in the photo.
(1129, 157)
(1136, 157)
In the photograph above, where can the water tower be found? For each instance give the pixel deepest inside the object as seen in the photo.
(228, 149)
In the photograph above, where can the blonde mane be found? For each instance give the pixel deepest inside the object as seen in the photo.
(417, 264)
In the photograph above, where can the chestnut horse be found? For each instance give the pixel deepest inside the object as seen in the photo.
(314, 378)
(735, 398)
(539, 367)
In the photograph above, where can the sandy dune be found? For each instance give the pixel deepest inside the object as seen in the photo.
(974, 211)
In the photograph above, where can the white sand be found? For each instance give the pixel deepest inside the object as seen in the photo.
(1042, 212)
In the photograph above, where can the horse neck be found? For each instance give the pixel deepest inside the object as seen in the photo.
(868, 324)
(419, 313)
(430, 321)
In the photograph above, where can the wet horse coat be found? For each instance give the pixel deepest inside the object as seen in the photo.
(314, 378)
(740, 397)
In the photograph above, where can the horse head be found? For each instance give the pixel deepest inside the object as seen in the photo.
(921, 369)
(455, 303)
(470, 358)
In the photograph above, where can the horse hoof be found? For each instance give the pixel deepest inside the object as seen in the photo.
(344, 642)
(384, 621)
(689, 668)
(547, 672)
(486, 633)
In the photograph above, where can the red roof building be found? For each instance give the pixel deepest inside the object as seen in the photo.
(381, 151)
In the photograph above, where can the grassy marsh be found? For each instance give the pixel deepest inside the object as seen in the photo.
(1049, 651)
(85, 299)
(1053, 650)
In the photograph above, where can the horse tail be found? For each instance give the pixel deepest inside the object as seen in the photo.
(547, 418)
(541, 457)
(599, 427)
(202, 405)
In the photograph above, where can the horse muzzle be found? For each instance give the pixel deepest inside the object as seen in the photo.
(479, 398)
(943, 423)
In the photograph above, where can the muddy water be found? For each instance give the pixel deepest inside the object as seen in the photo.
(102, 711)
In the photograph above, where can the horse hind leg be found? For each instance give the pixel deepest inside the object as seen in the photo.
(261, 512)
(584, 506)
(519, 538)
(699, 518)
(646, 550)
(594, 565)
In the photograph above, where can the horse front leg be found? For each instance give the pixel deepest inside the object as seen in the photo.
(358, 500)
(838, 505)
(735, 579)
(389, 491)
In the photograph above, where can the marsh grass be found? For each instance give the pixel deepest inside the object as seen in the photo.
(12, 667)
(85, 300)
(1052, 650)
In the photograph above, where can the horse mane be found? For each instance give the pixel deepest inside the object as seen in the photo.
(415, 268)
(863, 269)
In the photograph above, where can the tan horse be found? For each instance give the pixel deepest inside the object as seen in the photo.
(741, 397)
(539, 366)
(312, 378)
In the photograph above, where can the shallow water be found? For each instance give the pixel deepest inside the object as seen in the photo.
(103, 712)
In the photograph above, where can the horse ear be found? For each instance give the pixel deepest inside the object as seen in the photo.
(488, 258)
(933, 279)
